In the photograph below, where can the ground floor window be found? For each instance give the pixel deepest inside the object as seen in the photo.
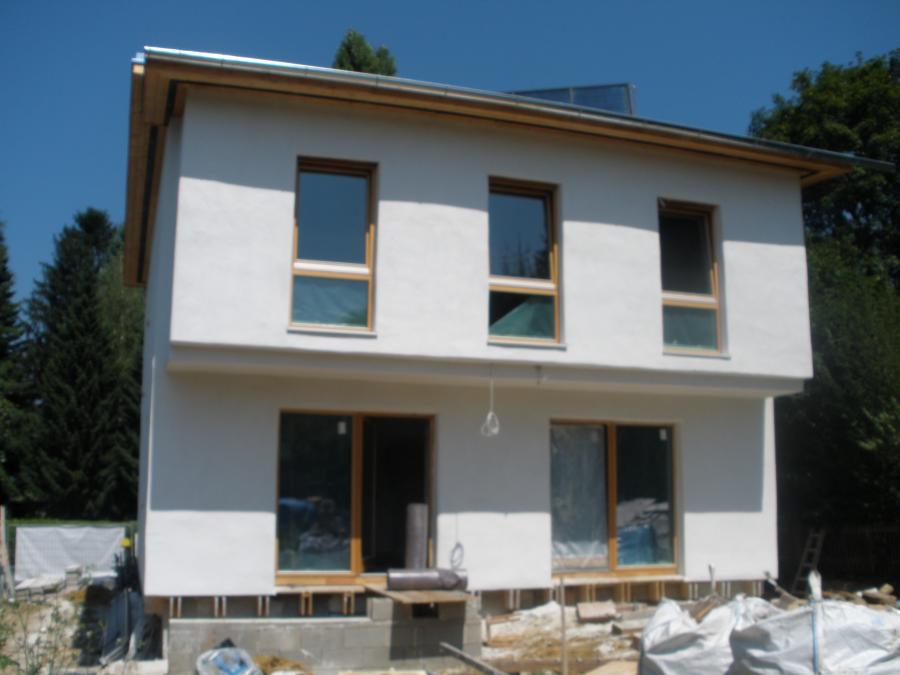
(344, 484)
(611, 496)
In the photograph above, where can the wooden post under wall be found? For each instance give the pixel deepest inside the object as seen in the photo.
(563, 647)
(4, 556)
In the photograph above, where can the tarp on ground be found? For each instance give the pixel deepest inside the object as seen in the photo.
(47, 550)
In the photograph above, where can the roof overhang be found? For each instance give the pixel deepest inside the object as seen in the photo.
(161, 77)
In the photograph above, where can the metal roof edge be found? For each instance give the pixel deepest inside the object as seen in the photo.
(446, 91)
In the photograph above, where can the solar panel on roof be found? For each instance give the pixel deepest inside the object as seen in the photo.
(617, 98)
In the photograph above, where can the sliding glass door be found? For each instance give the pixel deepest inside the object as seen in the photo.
(578, 506)
(611, 496)
(314, 495)
(345, 481)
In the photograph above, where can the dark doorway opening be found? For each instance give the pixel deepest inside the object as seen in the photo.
(395, 471)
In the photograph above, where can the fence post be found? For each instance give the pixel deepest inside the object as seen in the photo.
(4, 556)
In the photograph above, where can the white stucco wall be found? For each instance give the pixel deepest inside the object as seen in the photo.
(222, 241)
(157, 318)
(236, 208)
(210, 527)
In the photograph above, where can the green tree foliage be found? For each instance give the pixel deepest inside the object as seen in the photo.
(122, 314)
(855, 109)
(839, 441)
(355, 53)
(12, 387)
(82, 360)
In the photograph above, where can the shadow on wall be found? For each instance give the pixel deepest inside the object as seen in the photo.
(419, 630)
(447, 163)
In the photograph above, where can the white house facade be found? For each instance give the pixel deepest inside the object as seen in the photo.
(345, 273)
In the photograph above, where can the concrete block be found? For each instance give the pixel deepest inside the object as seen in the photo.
(356, 658)
(402, 612)
(451, 610)
(380, 609)
(367, 636)
(472, 648)
(403, 634)
(472, 632)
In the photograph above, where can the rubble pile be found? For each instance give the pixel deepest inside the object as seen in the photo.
(594, 632)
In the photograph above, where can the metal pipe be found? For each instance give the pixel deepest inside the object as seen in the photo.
(416, 536)
(426, 580)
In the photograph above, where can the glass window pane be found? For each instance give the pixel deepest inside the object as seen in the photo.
(519, 236)
(578, 497)
(684, 247)
(332, 302)
(521, 315)
(314, 492)
(332, 217)
(689, 327)
(644, 495)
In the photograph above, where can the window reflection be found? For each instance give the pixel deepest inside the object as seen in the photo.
(314, 492)
(644, 495)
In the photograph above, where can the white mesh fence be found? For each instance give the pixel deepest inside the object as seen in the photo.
(48, 550)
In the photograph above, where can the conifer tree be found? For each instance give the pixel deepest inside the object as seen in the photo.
(73, 365)
(355, 53)
(122, 311)
(10, 384)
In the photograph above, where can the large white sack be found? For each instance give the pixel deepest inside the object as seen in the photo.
(849, 639)
(673, 643)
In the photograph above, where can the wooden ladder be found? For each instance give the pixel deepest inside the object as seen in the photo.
(809, 560)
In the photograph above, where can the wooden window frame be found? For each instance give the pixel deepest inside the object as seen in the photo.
(613, 569)
(524, 285)
(324, 269)
(710, 301)
(357, 574)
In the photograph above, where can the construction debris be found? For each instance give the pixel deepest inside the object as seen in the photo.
(273, 665)
(533, 637)
(596, 611)
(42, 585)
(880, 596)
(616, 668)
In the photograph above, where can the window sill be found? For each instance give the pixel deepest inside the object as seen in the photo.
(722, 356)
(335, 331)
(527, 344)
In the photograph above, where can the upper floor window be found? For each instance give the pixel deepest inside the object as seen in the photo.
(334, 239)
(524, 297)
(689, 278)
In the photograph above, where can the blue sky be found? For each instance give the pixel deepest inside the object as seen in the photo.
(64, 69)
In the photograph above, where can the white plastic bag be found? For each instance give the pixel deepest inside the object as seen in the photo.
(674, 644)
(226, 661)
